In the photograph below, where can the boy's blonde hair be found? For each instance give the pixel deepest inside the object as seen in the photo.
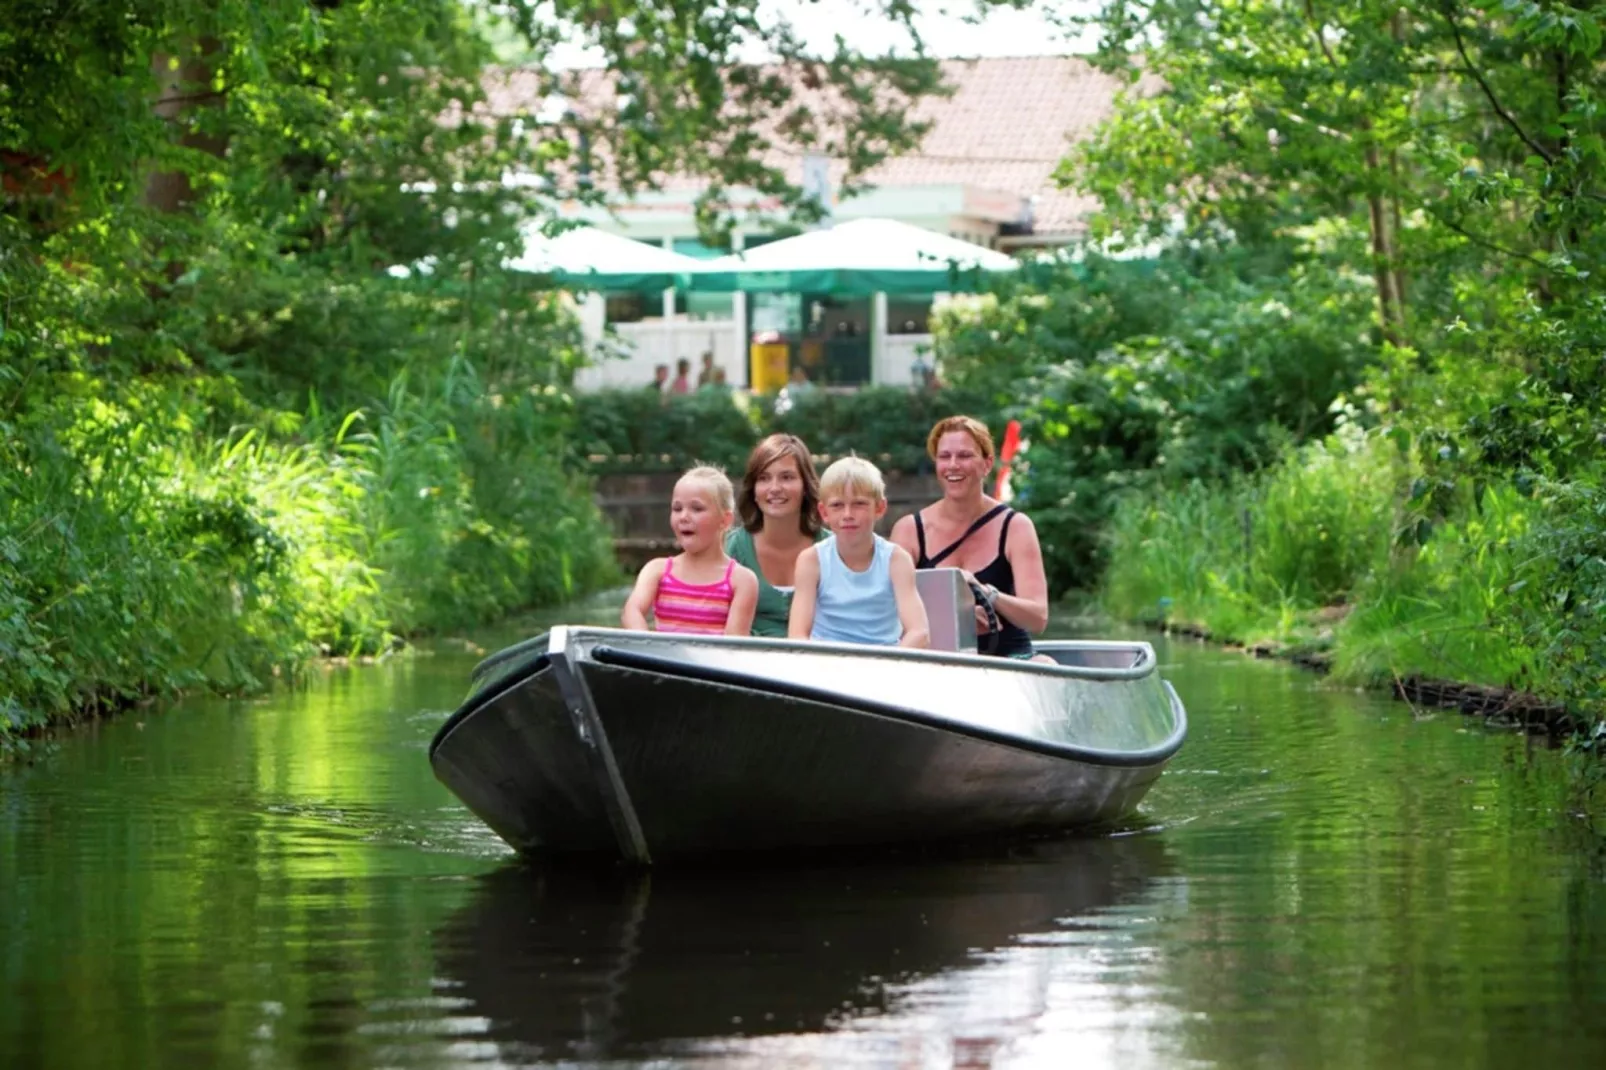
(851, 474)
(715, 481)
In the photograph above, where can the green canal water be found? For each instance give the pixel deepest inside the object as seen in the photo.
(1321, 879)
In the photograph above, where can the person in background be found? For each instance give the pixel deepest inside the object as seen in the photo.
(779, 507)
(682, 383)
(705, 375)
(920, 372)
(700, 590)
(856, 587)
(993, 545)
(660, 378)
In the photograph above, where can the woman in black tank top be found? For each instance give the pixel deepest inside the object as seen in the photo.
(1013, 578)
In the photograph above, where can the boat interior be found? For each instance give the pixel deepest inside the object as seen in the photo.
(950, 610)
(1074, 655)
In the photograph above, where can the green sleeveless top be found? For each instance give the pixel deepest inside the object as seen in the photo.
(774, 605)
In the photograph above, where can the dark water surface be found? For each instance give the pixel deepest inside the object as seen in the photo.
(1320, 880)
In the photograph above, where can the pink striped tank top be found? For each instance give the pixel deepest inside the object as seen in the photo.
(700, 608)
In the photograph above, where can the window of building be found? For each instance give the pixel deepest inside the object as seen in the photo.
(627, 307)
(908, 313)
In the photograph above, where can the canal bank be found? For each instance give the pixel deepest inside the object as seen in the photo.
(1500, 706)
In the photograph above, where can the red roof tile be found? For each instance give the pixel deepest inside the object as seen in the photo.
(1006, 126)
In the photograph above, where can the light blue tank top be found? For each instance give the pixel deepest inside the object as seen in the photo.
(856, 607)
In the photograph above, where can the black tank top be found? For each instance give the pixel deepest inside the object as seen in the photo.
(1010, 639)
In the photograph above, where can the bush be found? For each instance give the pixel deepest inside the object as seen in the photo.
(138, 558)
(1242, 559)
(1191, 366)
(887, 424)
(639, 430)
(1444, 608)
(118, 581)
(1506, 589)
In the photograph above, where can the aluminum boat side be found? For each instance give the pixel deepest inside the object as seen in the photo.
(650, 746)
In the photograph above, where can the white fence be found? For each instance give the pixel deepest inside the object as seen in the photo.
(642, 346)
(895, 366)
(635, 349)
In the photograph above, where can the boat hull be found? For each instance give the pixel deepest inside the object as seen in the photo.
(650, 748)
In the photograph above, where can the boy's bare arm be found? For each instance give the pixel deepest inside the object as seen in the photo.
(911, 610)
(804, 596)
(744, 603)
(634, 615)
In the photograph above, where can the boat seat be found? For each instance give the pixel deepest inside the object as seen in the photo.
(950, 608)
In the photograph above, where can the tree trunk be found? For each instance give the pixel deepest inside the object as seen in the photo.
(1388, 301)
(184, 84)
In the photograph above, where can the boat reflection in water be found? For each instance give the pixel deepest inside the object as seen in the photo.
(563, 963)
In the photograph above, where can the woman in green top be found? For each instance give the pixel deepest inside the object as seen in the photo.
(780, 509)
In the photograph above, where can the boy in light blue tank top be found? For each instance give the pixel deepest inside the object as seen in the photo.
(856, 587)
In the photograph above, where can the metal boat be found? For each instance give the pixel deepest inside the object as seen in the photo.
(647, 746)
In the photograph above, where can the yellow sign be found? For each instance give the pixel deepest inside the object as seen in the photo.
(768, 366)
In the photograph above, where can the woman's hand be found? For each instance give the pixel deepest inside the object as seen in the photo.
(982, 625)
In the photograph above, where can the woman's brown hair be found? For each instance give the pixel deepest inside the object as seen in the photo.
(969, 425)
(766, 453)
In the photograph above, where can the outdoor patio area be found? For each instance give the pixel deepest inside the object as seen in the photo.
(851, 304)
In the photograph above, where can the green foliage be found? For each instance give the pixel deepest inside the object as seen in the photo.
(887, 424)
(641, 430)
(138, 560)
(1319, 550)
(1444, 609)
(1243, 558)
(230, 438)
(1191, 366)
(1561, 606)
(119, 584)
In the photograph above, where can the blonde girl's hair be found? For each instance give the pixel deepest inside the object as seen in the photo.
(774, 448)
(969, 425)
(851, 474)
(715, 482)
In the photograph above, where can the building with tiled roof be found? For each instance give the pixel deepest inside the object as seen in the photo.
(984, 172)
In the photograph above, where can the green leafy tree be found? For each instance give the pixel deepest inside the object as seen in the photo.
(203, 355)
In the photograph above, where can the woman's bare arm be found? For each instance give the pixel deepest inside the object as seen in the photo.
(903, 535)
(1028, 606)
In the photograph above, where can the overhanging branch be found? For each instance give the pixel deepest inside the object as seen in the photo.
(1494, 101)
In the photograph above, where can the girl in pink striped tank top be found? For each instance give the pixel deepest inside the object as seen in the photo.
(700, 590)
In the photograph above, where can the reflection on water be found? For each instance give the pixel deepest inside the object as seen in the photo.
(1322, 879)
(567, 963)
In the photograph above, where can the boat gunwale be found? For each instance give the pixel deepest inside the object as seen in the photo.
(481, 697)
(1146, 664)
(1154, 755)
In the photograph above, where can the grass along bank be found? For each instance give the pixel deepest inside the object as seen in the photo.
(1333, 556)
(140, 557)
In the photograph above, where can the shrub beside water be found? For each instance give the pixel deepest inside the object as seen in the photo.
(138, 559)
(1238, 559)
(1123, 372)
(641, 430)
(1324, 551)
